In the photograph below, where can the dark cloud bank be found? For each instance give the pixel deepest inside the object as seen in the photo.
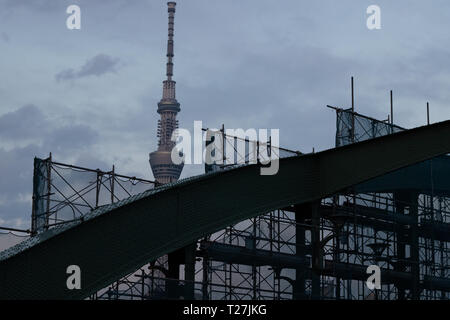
(97, 66)
(32, 133)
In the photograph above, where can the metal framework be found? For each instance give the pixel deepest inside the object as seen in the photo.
(64, 193)
(255, 258)
(250, 260)
(337, 233)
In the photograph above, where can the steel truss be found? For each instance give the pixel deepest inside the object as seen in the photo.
(320, 250)
(317, 250)
(271, 264)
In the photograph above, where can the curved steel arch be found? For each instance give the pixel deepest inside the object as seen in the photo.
(116, 240)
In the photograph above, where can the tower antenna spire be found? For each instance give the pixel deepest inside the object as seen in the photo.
(169, 66)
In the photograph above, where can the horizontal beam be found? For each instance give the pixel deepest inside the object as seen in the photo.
(233, 254)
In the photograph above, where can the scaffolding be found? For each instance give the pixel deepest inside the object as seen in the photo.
(64, 193)
(322, 250)
(273, 256)
(317, 250)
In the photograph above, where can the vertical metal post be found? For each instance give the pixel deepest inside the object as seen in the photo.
(336, 142)
(230, 273)
(353, 97)
(300, 283)
(428, 113)
(142, 285)
(33, 207)
(278, 239)
(152, 286)
(254, 267)
(392, 109)
(257, 151)
(205, 277)
(415, 268)
(228, 267)
(402, 201)
(97, 188)
(173, 274)
(316, 249)
(224, 158)
(189, 271)
(112, 184)
(336, 258)
(236, 156)
(399, 207)
(353, 113)
(49, 189)
(37, 209)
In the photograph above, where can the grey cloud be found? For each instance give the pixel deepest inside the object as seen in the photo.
(30, 124)
(4, 36)
(425, 75)
(64, 140)
(75, 137)
(42, 5)
(25, 122)
(291, 87)
(87, 159)
(97, 66)
(67, 74)
(16, 169)
(46, 5)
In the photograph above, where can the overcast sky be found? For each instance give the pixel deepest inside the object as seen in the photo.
(89, 96)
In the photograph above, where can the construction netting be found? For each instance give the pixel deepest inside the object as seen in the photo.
(225, 151)
(352, 127)
(63, 193)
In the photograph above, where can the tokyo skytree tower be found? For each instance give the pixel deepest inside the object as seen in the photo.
(164, 170)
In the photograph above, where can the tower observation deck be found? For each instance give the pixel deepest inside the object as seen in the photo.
(164, 170)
